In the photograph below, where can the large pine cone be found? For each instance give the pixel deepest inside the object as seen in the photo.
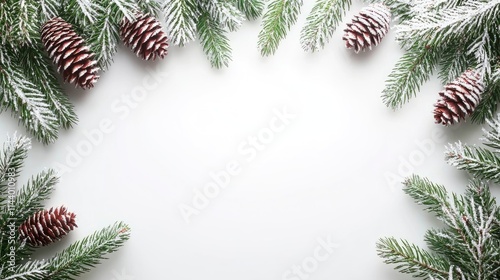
(69, 52)
(367, 28)
(459, 98)
(144, 35)
(45, 227)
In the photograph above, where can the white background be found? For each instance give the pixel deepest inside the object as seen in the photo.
(324, 176)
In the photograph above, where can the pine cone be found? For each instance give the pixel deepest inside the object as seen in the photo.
(45, 227)
(144, 36)
(68, 50)
(367, 28)
(459, 98)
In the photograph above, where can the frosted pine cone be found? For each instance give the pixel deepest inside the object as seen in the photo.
(69, 52)
(144, 36)
(459, 98)
(367, 28)
(45, 227)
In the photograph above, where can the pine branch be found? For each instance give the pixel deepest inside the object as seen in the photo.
(490, 99)
(105, 34)
(49, 8)
(14, 152)
(83, 255)
(481, 163)
(214, 41)
(277, 21)
(125, 8)
(401, 10)
(25, 24)
(411, 259)
(426, 193)
(150, 7)
(44, 77)
(80, 12)
(453, 61)
(252, 9)
(27, 101)
(31, 270)
(492, 136)
(181, 17)
(439, 26)
(467, 248)
(29, 199)
(223, 12)
(324, 18)
(410, 72)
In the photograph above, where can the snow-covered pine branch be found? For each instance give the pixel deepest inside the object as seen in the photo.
(181, 17)
(279, 17)
(324, 18)
(83, 255)
(214, 40)
(223, 12)
(442, 25)
(480, 162)
(27, 101)
(252, 9)
(466, 248)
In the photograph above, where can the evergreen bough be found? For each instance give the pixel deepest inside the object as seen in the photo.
(29, 85)
(17, 205)
(468, 245)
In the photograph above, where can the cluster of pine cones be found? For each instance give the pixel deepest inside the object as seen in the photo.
(77, 63)
(459, 97)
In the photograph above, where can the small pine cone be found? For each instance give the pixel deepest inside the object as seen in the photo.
(69, 52)
(367, 28)
(459, 98)
(45, 227)
(144, 36)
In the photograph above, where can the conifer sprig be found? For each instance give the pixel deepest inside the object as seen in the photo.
(466, 248)
(324, 18)
(17, 204)
(461, 34)
(83, 255)
(481, 162)
(279, 17)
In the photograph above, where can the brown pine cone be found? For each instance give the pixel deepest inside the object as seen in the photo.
(69, 52)
(459, 98)
(144, 35)
(367, 28)
(45, 227)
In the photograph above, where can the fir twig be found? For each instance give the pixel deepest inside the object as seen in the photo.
(214, 41)
(277, 21)
(12, 157)
(181, 16)
(324, 18)
(480, 162)
(27, 101)
(410, 72)
(83, 255)
(411, 259)
(252, 9)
